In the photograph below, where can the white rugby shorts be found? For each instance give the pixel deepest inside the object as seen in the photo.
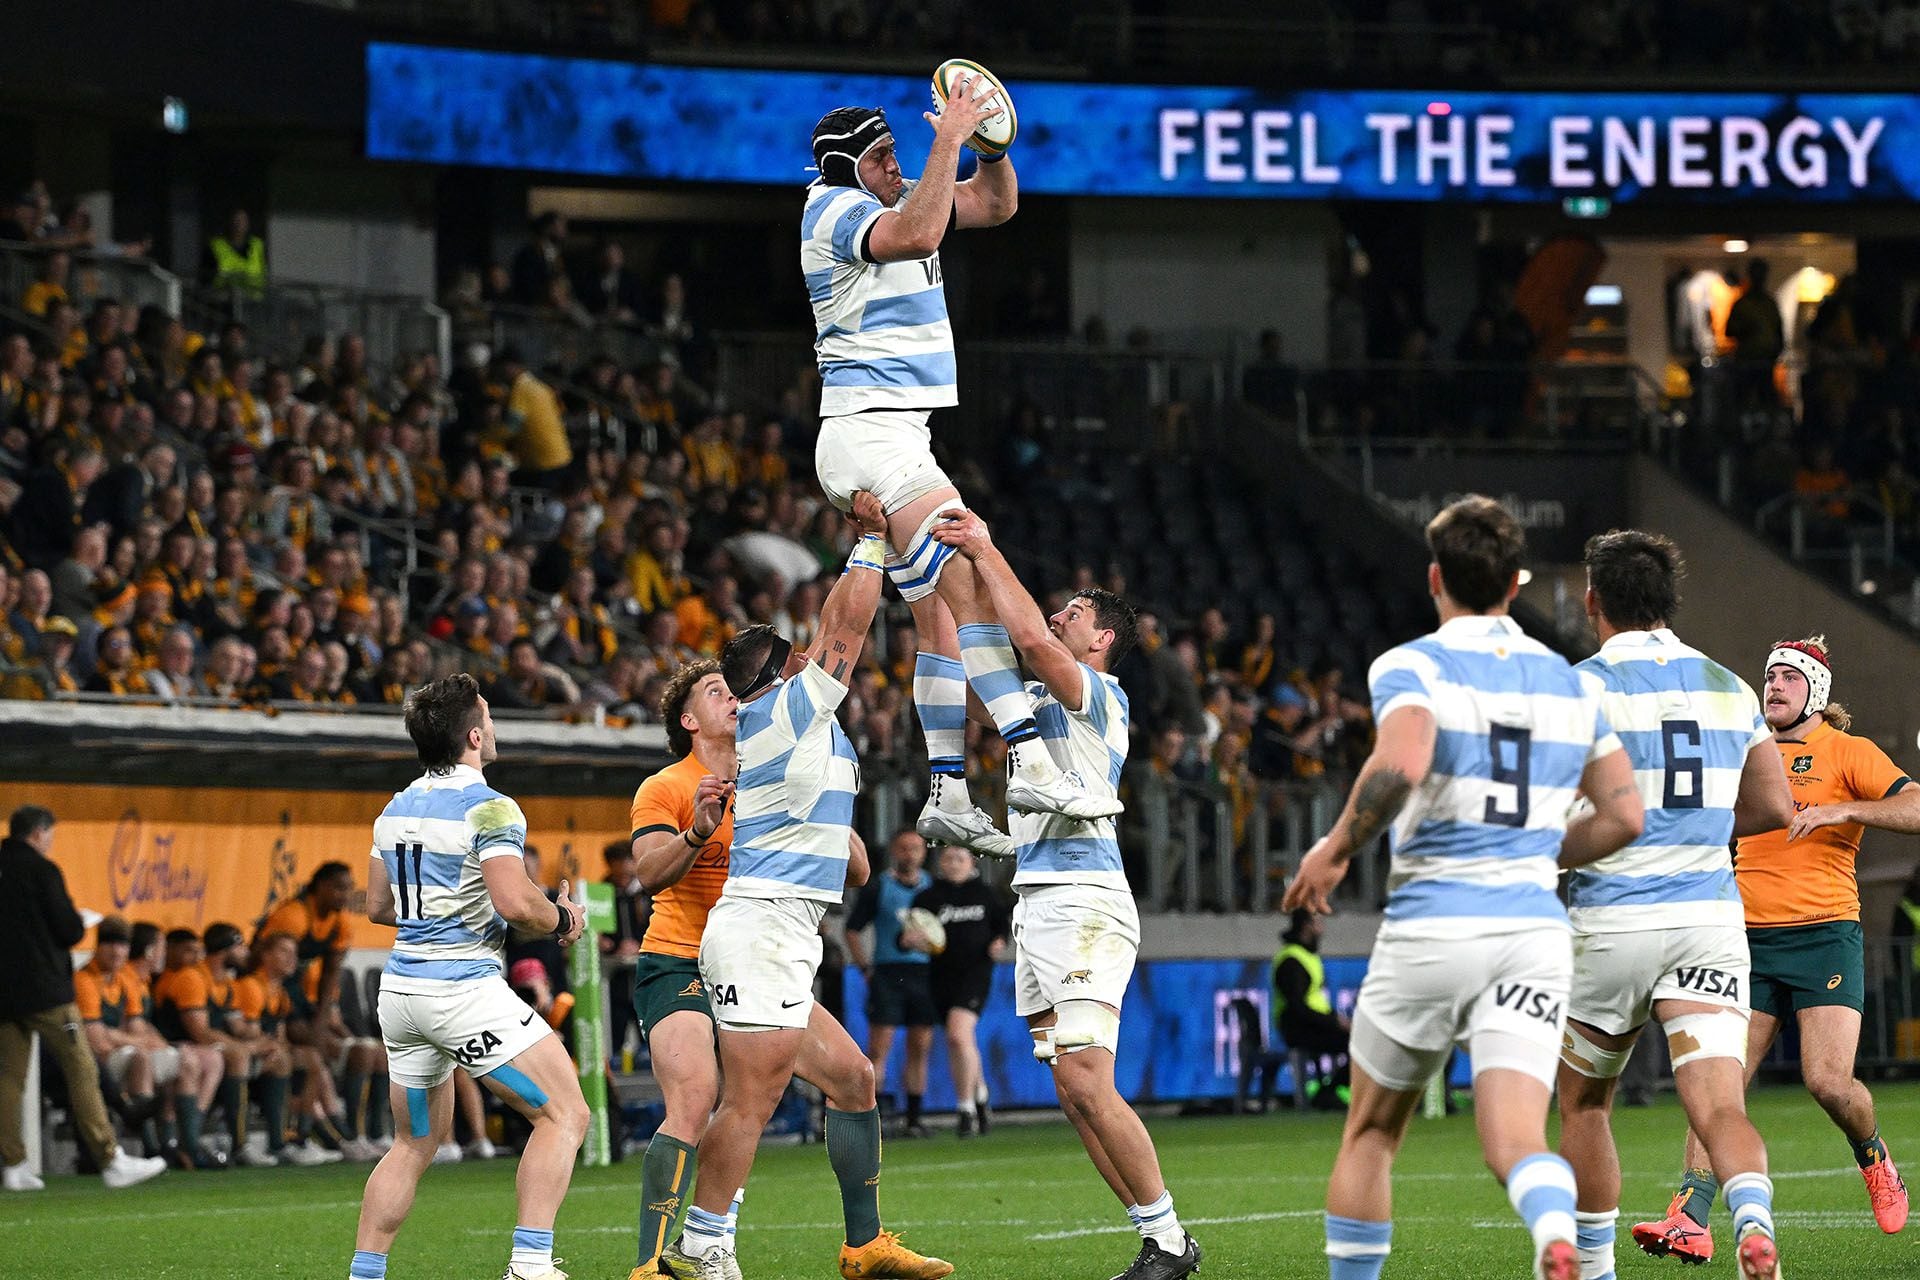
(1503, 997)
(1618, 977)
(758, 958)
(166, 1064)
(479, 1025)
(1072, 942)
(887, 452)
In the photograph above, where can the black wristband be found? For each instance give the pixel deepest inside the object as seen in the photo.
(694, 839)
(565, 921)
(987, 159)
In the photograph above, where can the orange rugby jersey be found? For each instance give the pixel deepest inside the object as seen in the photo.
(1810, 880)
(664, 802)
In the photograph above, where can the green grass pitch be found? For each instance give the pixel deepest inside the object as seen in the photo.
(1022, 1203)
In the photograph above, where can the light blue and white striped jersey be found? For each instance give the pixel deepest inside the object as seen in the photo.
(1475, 848)
(881, 333)
(1093, 742)
(1687, 724)
(793, 802)
(432, 837)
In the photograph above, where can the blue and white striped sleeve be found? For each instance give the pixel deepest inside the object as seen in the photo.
(1605, 740)
(811, 696)
(852, 219)
(497, 828)
(1400, 677)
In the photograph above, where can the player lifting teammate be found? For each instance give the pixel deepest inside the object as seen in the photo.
(870, 251)
(1485, 738)
(447, 868)
(1656, 927)
(1076, 931)
(1803, 929)
(791, 858)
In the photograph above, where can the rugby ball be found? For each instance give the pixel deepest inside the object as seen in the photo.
(996, 132)
(927, 924)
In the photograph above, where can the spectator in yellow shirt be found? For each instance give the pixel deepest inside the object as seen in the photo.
(711, 458)
(709, 620)
(657, 573)
(50, 288)
(534, 420)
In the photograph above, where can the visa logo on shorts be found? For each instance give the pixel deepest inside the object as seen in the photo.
(1528, 1001)
(1710, 982)
(477, 1048)
(726, 993)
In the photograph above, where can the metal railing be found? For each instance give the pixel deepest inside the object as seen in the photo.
(287, 313)
(1201, 854)
(546, 339)
(1506, 403)
(1132, 399)
(134, 282)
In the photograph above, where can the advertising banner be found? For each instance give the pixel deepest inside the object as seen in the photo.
(185, 857)
(1559, 498)
(705, 124)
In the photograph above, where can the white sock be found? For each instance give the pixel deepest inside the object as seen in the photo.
(703, 1233)
(967, 1108)
(532, 1251)
(1750, 1197)
(1160, 1224)
(1541, 1190)
(1594, 1240)
(994, 672)
(733, 1214)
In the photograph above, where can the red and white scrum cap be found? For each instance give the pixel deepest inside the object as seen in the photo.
(1811, 663)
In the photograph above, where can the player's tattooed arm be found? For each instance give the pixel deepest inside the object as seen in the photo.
(1618, 815)
(1377, 801)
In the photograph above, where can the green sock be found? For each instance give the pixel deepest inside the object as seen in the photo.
(1699, 1188)
(1869, 1152)
(353, 1089)
(375, 1121)
(666, 1186)
(853, 1149)
(273, 1105)
(233, 1100)
(186, 1110)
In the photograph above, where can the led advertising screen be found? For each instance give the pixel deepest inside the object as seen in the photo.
(700, 124)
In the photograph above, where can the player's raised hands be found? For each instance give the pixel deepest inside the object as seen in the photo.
(1812, 818)
(1313, 885)
(962, 113)
(710, 806)
(868, 516)
(964, 531)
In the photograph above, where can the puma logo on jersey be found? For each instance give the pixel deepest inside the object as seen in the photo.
(1529, 1001)
(692, 989)
(1080, 975)
(1708, 981)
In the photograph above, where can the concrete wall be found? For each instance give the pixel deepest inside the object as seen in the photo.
(351, 224)
(1740, 595)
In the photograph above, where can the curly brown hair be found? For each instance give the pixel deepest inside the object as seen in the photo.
(673, 703)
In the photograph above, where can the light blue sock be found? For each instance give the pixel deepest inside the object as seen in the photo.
(1133, 1215)
(1541, 1190)
(704, 1232)
(1750, 1196)
(1593, 1237)
(994, 671)
(940, 698)
(1357, 1249)
(532, 1251)
(368, 1265)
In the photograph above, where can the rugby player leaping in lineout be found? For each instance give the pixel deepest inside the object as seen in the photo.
(870, 250)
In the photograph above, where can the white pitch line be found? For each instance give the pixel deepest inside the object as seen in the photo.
(1195, 1222)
